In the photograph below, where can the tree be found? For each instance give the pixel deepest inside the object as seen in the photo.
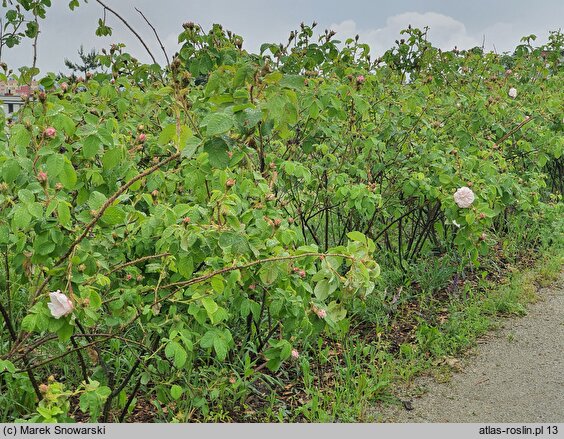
(89, 61)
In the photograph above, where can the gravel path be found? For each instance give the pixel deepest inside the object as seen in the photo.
(516, 375)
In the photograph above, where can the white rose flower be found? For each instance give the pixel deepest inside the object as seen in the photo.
(464, 197)
(60, 304)
(512, 93)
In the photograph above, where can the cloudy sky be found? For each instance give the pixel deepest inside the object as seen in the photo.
(465, 24)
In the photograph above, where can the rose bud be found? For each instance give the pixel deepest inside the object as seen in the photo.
(42, 176)
(155, 193)
(64, 86)
(481, 215)
(139, 277)
(291, 220)
(49, 132)
(230, 182)
(142, 137)
(128, 277)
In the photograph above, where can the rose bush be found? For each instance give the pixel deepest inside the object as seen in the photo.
(230, 208)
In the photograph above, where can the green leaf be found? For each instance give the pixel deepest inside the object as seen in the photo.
(296, 82)
(111, 158)
(63, 213)
(210, 305)
(55, 164)
(21, 217)
(10, 170)
(190, 147)
(217, 123)
(96, 200)
(356, 236)
(207, 339)
(167, 134)
(91, 146)
(217, 283)
(268, 274)
(217, 151)
(4, 234)
(321, 290)
(95, 300)
(176, 391)
(113, 215)
(68, 175)
(220, 346)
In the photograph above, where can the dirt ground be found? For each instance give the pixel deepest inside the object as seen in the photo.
(514, 375)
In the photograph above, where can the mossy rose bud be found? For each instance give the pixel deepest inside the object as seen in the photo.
(42, 176)
(49, 132)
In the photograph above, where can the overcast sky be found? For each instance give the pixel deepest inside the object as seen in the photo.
(378, 22)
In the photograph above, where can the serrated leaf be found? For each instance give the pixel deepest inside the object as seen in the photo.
(217, 151)
(113, 215)
(217, 123)
(91, 146)
(54, 165)
(220, 347)
(63, 213)
(68, 175)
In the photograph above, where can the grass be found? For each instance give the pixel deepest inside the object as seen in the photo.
(343, 380)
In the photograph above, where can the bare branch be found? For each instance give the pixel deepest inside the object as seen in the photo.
(156, 35)
(130, 28)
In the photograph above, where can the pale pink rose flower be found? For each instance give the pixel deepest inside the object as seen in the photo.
(464, 197)
(360, 79)
(512, 93)
(295, 354)
(60, 304)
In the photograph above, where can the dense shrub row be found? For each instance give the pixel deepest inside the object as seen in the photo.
(227, 209)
